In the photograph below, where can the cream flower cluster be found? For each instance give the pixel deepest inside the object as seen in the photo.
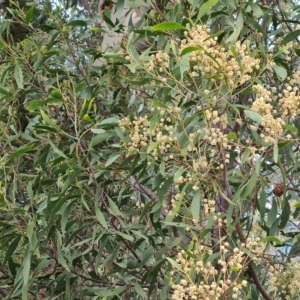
(284, 280)
(210, 284)
(139, 132)
(215, 136)
(262, 105)
(235, 66)
(289, 100)
(160, 60)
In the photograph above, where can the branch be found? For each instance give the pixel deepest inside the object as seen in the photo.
(241, 234)
(251, 268)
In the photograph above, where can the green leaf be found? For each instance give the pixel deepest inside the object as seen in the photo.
(47, 120)
(98, 29)
(3, 91)
(112, 159)
(257, 26)
(280, 71)
(290, 37)
(87, 118)
(58, 206)
(282, 144)
(19, 76)
(40, 61)
(109, 121)
(11, 249)
(168, 26)
(60, 256)
(164, 187)
(113, 207)
(109, 292)
(77, 23)
(206, 7)
(100, 216)
(160, 104)
(232, 136)
(22, 150)
(272, 215)
(275, 152)
(97, 130)
(174, 263)
(189, 49)
(253, 116)
(152, 146)
(124, 236)
(268, 239)
(249, 186)
(196, 205)
(56, 150)
(65, 215)
(285, 214)
(30, 14)
(184, 64)
(26, 265)
(290, 128)
(257, 11)
(57, 95)
(139, 290)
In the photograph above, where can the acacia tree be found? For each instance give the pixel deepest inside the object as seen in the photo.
(169, 172)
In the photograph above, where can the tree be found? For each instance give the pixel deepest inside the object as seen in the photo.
(169, 172)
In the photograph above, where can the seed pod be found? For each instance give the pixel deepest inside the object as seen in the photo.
(278, 189)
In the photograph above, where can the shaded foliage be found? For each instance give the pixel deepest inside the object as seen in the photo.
(118, 178)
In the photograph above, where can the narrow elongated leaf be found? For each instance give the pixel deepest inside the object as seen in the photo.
(112, 159)
(26, 265)
(56, 150)
(160, 104)
(139, 290)
(275, 152)
(196, 205)
(205, 7)
(291, 36)
(22, 151)
(168, 26)
(19, 76)
(190, 49)
(152, 146)
(11, 249)
(60, 256)
(125, 236)
(113, 207)
(268, 239)
(253, 116)
(100, 216)
(30, 14)
(174, 263)
(249, 186)
(47, 120)
(280, 71)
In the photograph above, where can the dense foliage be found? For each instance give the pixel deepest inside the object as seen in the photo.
(167, 172)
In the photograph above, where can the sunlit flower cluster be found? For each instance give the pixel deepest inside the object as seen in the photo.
(215, 136)
(262, 105)
(213, 281)
(209, 206)
(141, 135)
(284, 280)
(213, 60)
(159, 60)
(289, 100)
